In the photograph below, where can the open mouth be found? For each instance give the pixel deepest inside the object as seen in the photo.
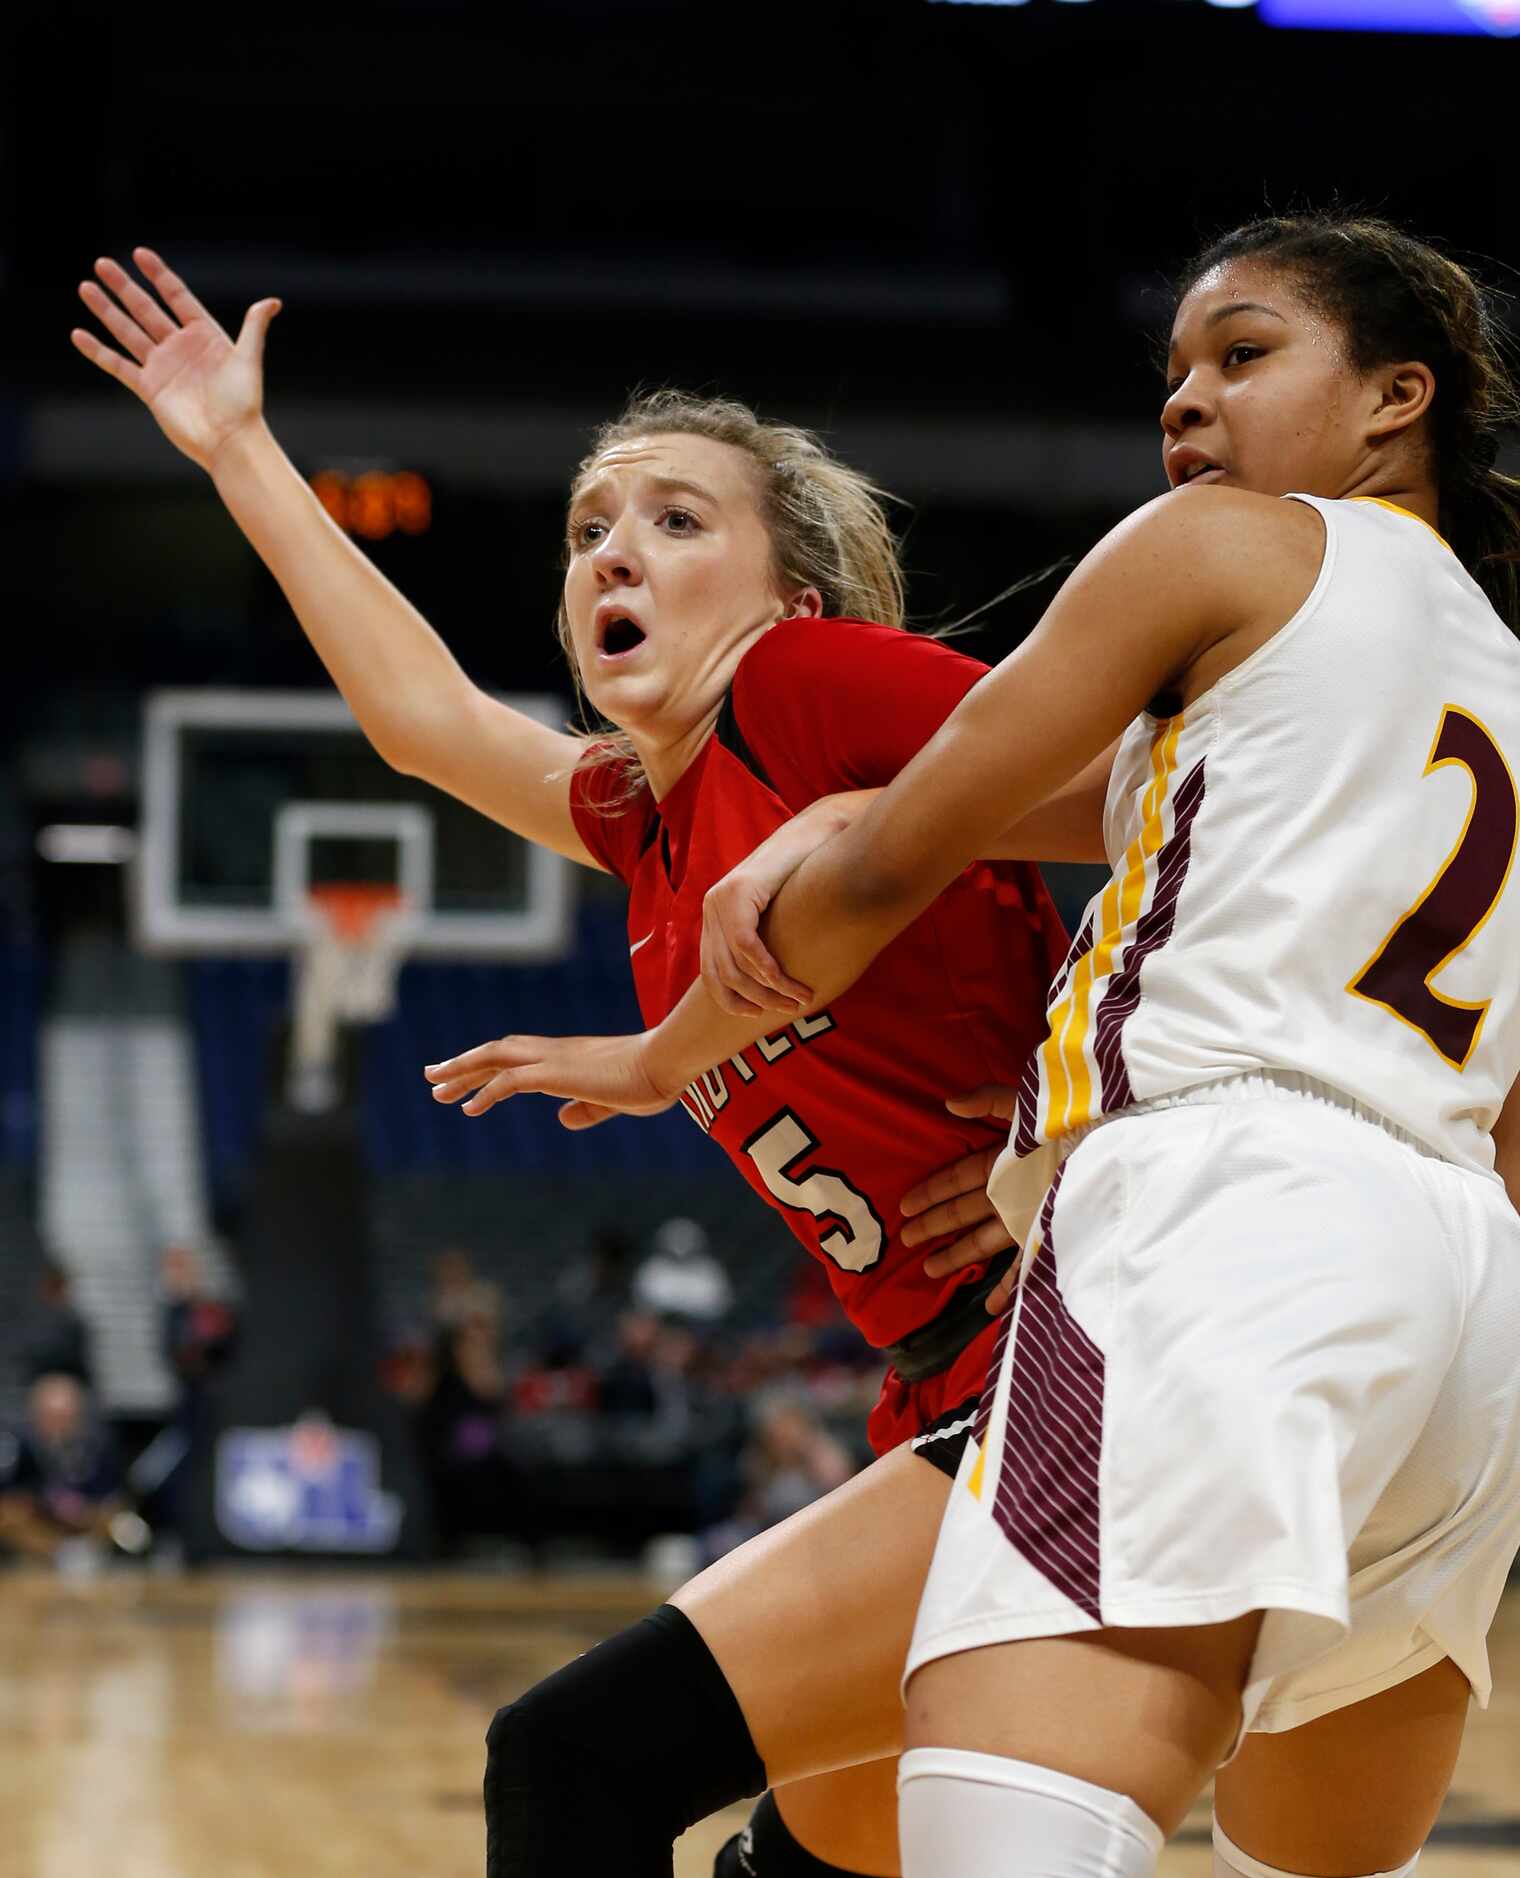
(1198, 472)
(619, 636)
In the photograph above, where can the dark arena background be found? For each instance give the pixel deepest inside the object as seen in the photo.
(386, 1412)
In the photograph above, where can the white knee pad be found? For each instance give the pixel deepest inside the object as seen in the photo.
(1231, 1862)
(963, 1815)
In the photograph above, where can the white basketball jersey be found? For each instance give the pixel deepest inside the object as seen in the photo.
(1311, 870)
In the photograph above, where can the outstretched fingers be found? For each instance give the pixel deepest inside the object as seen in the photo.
(486, 1075)
(459, 1076)
(119, 324)
(148, 313)
(110, 362)
(479, 1093)
(458, 1087)
(506, 1083)
(176, 295)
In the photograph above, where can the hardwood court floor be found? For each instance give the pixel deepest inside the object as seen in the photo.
(269, 1725)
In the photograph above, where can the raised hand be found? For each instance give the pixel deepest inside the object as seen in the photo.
(201, 386)
(602, 1075)
(955, 1200)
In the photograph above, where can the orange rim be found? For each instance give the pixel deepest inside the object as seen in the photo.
(352, 908)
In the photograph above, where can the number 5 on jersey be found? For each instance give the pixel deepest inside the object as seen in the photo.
(1453, 909)
(856, 1240)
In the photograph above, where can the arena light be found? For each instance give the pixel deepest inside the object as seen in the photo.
(376, 503)
(1498, 17)
(86, 844)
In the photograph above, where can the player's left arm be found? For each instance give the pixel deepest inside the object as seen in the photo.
(1174, 579)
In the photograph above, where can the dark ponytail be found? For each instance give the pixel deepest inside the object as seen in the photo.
(1396, 297)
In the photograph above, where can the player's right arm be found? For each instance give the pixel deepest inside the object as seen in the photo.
(413, 700)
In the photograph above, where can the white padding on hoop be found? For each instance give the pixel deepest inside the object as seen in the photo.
(346, 980)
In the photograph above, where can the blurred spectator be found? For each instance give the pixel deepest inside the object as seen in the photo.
(791, 1460)
(460, 1293)
(681, 1278)
(199, 1330)
(459, 1422)
(590, 1295)
(60, 1476)
(409, 1365)
(56, 1341)
(199, 1337)
(647, 1395)
(627, 1384)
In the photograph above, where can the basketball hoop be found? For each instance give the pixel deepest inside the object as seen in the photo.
(355, 937)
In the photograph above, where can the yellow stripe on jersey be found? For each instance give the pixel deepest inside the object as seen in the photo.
(1394, 508)
(974, 1484)
(1068, 1079)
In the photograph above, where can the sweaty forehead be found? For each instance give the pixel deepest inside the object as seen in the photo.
(1229, 284)
(675, 457)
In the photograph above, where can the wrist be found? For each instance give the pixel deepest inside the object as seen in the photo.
(242, 452)
(660, 1061)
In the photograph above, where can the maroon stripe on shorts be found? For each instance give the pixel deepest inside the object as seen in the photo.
(1152, 930)
(1047, 1492)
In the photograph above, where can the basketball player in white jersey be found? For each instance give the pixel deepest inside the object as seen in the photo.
(1248, 1469)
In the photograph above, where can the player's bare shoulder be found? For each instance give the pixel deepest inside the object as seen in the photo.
(1232, 539)
(1254, 559)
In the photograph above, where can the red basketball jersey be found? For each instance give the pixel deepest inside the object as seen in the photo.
(831, 1119)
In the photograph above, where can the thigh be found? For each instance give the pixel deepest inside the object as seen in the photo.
(810, 1621)
(847, 1818)
(1146, 1713)
(1356, 1791)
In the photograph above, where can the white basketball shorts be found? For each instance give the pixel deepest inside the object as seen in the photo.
(1263, 1356)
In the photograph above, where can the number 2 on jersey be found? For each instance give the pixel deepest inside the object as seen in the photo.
(1453, 908)
(855, 1242)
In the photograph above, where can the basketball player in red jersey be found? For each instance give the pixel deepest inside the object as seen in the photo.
(834, 1116)
(706, 553)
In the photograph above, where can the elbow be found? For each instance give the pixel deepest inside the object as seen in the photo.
(422, 733)
(872, 892)
(411, 748)
(399, 757)
(395, 753)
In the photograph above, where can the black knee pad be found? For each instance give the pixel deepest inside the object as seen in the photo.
(604, 1763)
(766, 1849)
